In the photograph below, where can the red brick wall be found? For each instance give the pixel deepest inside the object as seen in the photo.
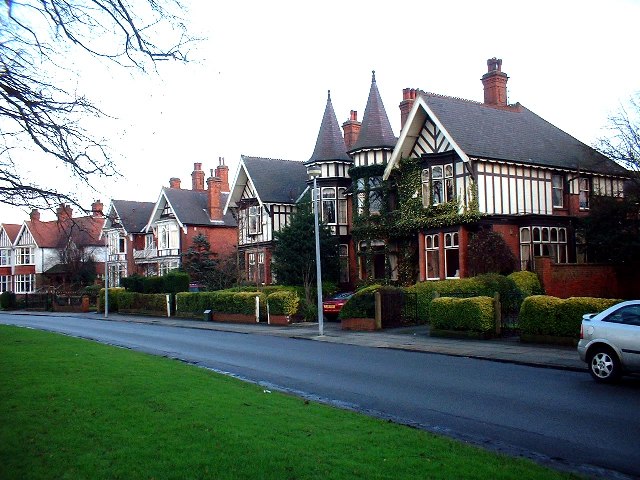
(511, 235)
(223, 240)
(587, 280)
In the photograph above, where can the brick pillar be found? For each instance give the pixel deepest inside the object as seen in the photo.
(214, 185)
(222, 172)
(197, 178)
(351, 130)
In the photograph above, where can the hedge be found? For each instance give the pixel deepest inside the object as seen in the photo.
(172, 282)
(8, 301)
(142, 302)
(481, 285)
(193, 304)
(527, 282)
(114, 293)
(283, 302)
(552, 316)
(362, 304)
(474, 314)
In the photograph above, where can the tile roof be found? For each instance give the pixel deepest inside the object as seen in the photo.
(514, 134)
(133, 216)
(83, 231)
(275, 180)
(376, 129)
(191, 207)
(12, 230)
(330, 143)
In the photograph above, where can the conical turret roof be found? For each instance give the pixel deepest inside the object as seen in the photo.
(330, 143)
(376, 130)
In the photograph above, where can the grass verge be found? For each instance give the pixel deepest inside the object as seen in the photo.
(71, 408)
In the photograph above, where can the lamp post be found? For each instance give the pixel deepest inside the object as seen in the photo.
(314, 171)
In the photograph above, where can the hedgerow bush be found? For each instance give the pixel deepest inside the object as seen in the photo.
(362, 304)
(193, 304)
(134, 302)
(482, 285)
(172, 282)
(283, 302)
(114, 292)
(474, 314)
(8, 301)
(552, 316)
(527, 282)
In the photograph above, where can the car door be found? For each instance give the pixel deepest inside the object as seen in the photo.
(623, 331)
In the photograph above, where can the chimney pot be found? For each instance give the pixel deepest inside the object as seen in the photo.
(495, 83)
(34, 215)
(197, 178)
(96, 208)
(174, 182)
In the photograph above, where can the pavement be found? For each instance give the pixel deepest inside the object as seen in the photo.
(415, 339)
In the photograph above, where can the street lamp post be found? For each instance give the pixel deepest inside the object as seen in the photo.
(315, 171)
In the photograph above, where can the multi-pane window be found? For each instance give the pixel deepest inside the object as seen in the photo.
(5, 283)
(370, 189)
(583, 186)
(451, 255)
(342, 206)
(255, 267)
(375, 194)
(168, 236)
(557, 184)
(360, 196)
(5, 256)
(432, 250)
(25, 283)
(117, 243)
(611, 187)
(437, 185)
(255, 220)
(116, 272)
(343, 250)
(166, 211)
(542, 242)
(149, 242)
(24, 256)
(329, 205)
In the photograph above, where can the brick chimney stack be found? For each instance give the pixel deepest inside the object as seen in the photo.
(64, 212)
(34, 216)
(408, 97)
(96, 208)
(214, 186)
(222, 172)
(495, 83)
(174, 182)
(351, 129)
(197, 178)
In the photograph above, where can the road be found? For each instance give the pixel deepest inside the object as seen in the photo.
(557, 417)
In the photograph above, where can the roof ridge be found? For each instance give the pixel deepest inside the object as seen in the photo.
(269, 158)
(514, 107)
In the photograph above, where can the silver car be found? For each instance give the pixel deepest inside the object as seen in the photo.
(610, 341)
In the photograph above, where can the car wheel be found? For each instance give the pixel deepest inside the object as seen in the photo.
(604, 365)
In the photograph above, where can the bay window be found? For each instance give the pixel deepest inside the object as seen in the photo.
(255, 220)
(25, 283)
(24, 256)
(432, 251)
(5, 256)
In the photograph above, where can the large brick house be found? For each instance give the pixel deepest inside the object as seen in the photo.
(40, 254)
(150, 238)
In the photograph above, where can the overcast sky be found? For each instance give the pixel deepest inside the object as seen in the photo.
(258, 83)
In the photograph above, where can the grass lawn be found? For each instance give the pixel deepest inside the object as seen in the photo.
(75, 409)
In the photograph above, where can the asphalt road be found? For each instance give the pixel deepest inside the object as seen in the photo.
(557, 417)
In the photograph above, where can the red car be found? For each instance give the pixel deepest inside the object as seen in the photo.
(332, 306)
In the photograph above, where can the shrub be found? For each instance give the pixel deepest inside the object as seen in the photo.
(142, 303)
(153, 285)
(8, 301)
(284, 302)
(474, 314)
(176, 281)
(133, 283)
(527, 282)
(113, 299)
(489, 253)
(552, 316)
(362, 304)
(193, 304)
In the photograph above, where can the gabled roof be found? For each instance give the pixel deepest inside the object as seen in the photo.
(190, 207)
(274, 180)
(12, 230)
(133, 216)
(511, 133)
(330, 143)
(376, 129)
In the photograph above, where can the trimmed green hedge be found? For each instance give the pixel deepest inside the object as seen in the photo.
(172, 282)
(8, 301)
(474, 314)
(193, 304)
(552, 316)
(527, 282)
(114, 293)
(283, 302)
(150, 303)
(482, 285)
(362, 304)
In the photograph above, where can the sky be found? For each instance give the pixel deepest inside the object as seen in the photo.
(257, 83)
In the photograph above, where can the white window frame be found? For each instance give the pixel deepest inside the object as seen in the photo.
(536, 241)
(166, 267)
(254, 220)
(329, 204)
(5, 283)
(451, 243)
(583, 193)
(5, 256)
(168, 236)
(25, 283)
(25, 256)
(557, 186)
(442, 175)
(342, 206)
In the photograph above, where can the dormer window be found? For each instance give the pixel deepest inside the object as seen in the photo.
(437, 185)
